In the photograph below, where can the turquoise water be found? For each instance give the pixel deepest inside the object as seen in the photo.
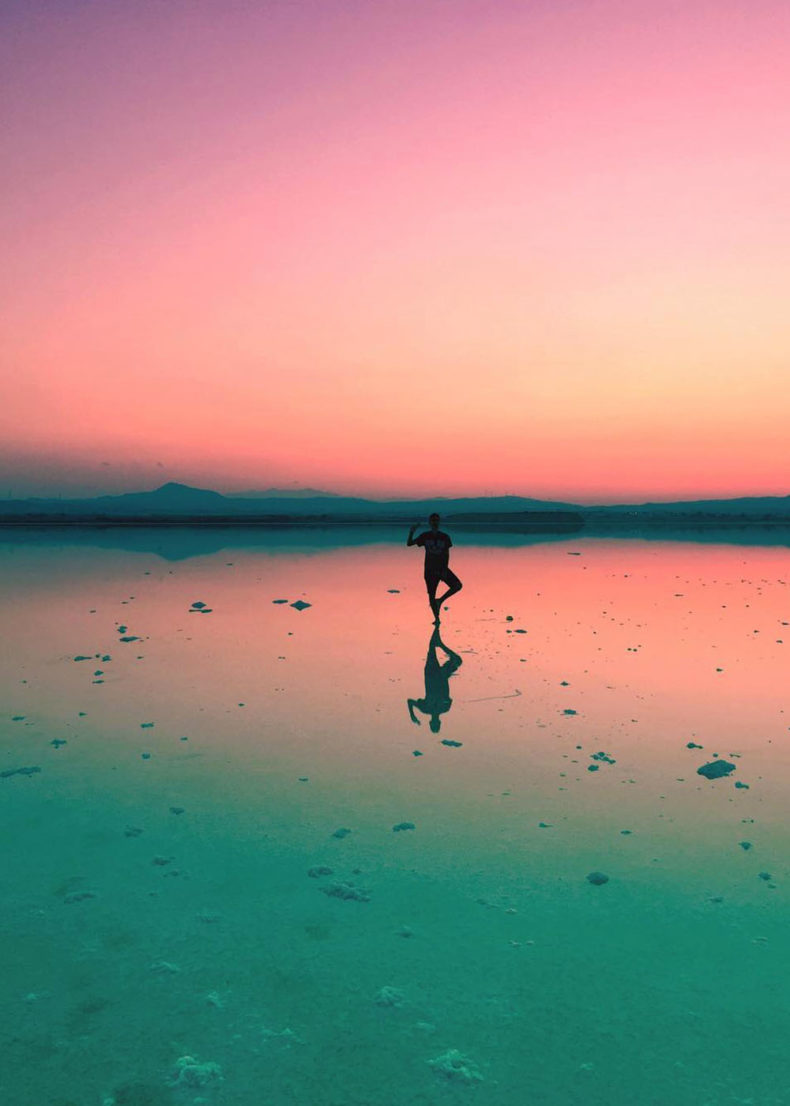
(184, 921)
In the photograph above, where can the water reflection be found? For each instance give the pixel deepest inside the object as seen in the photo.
(436, 700)
(179, 862)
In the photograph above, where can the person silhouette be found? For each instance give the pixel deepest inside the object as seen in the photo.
(437, 569)
(437, 699)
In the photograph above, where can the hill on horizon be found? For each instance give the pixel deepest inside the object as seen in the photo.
(183, 499)
(176, 498)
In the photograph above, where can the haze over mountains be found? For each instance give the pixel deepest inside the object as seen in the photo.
(180, 499)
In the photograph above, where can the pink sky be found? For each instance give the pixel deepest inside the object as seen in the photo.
(396, 247)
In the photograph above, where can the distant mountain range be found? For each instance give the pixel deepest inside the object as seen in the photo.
(175, 498)
(179, 501)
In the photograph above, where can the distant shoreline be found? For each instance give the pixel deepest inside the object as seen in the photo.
(549, 522)
(553, 526)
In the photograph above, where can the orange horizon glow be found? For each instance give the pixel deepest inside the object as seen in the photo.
(397, 250)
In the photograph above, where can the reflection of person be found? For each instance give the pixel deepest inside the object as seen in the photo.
(437, 691)
(437, 568)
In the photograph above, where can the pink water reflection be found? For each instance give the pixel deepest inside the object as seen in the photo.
(650, 644)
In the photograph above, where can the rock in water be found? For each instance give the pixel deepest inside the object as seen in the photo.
(715, 769)
(346, 891)
(598, 878)
(79, 896)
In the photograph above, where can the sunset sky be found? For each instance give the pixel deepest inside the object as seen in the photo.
(396, 247)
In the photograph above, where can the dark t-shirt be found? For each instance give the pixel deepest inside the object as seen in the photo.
(437, 550)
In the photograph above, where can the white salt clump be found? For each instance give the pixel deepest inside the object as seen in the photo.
(389, 996)
(164, 967)
(208, 917)
(452, 1065)
(189, 1072)
(286, 1034)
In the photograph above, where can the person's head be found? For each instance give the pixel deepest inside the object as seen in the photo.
(434, 521)
(435, 723)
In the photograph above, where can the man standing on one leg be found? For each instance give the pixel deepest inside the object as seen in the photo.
(437, 556)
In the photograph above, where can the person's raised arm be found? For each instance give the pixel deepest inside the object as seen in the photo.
(410, 540)
(453, 662)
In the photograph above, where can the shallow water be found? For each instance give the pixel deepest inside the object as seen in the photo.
(156, 897)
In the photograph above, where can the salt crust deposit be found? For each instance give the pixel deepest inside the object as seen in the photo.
(452, 1065)
(189, 1072)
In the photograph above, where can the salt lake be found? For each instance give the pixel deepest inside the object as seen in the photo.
(258, 854)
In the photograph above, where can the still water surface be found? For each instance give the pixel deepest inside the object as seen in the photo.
(206, 897)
